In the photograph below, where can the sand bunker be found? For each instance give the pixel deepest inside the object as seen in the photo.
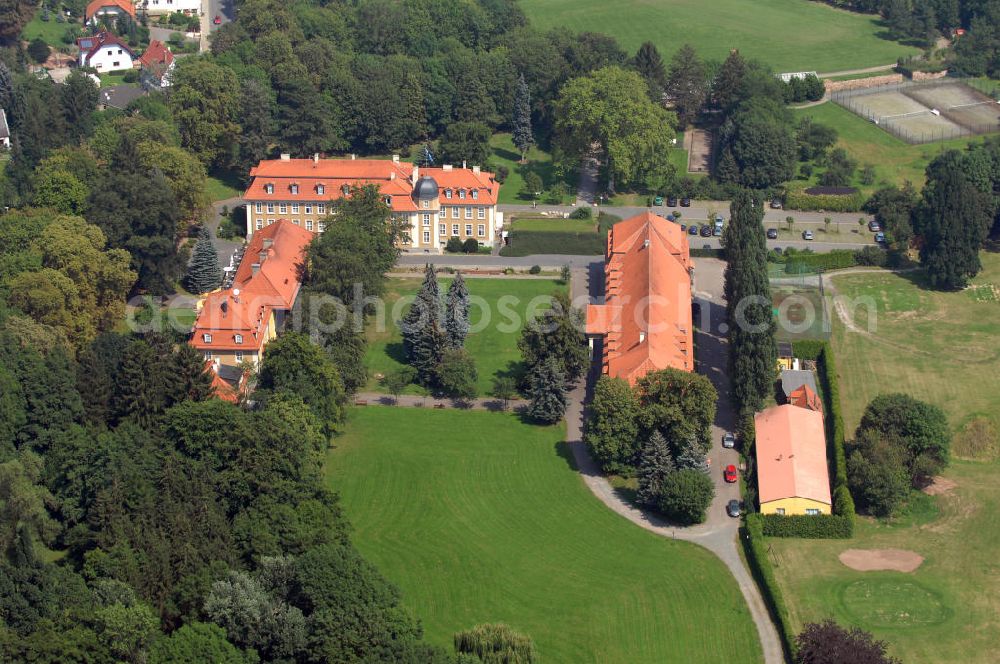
(870, 560)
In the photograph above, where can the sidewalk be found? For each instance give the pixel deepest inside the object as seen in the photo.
(416, 401)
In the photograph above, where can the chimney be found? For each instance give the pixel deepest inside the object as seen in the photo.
(353, 156)
(261, 257)
(315, 159)
(395, 158)
(642, 337)
(645, 243)
(392, 175)
(475, 169)
(285, 156)
(254, 269)
(446, 168)
(463, 165)
(416, 175)
(236, 295)
(268, 242)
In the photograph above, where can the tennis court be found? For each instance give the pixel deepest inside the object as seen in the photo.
(925, 112)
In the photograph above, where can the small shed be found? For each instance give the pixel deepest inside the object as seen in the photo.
(792, 380)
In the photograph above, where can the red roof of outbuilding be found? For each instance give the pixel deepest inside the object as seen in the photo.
(156, 55)
(646, 318)
(791, 454)
(804, 397)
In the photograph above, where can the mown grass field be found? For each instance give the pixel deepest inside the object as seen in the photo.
(50, 31)
(789, 35)
(494, 347)
(940, 347)
(895, 161)
(478, 517)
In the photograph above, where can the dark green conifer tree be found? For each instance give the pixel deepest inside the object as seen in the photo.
(456, 313)
(522, 134)
(655, 463)
(204, 273)
(424, 338)
(547, 391)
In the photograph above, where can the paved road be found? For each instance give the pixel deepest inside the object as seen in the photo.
(209, 10)
(417, 401)
(719, 533)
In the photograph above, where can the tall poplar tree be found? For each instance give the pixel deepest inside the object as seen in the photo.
(752, 349)
(522, 134)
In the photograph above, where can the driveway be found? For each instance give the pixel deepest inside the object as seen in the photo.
(209, 10)
(719, 533)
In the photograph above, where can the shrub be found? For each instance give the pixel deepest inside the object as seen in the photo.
(38, 50)
(131, 76)
(535, 269)
(581, 213)
(822, 526)
(502, 173)
(798, 262)
(686, 496)
(752, 537)
(454, 245)
(871, 255)
(471, 246)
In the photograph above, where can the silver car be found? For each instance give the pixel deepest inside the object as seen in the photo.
(728, 440)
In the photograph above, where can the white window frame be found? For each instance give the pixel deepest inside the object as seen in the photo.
(461, 194)
(270, 221)
(426, 219)
(425, 204)
(282, 208)
(780, 510)
(294, 189)
(475, 194)
(482, 230)
(427, 237)
(468, 230)
(812, 511)
(321, 208)
(309, 224)
(320, 227)
(468, 213)
(308, 208)
(455, 212)
(260, 224)
(238, 338)
(207, 338)
(447, 193)
(270, 208)
(258, 207)
(295, 208)
(454, 230)
(268, 188)
(238, 355)
(480, 213)
(320, 189)
(442, 229)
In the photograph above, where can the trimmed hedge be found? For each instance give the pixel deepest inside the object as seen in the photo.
(821, 526)
(706, 253)
(800, 200)
(528, 243)
(798, 262)
(752, 536)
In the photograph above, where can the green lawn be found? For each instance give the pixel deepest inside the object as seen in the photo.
(532, 235)
(895, 161)
(789, 35)
(501, 313)
(50, 31)
(478, 517)
(222, 185)
(559, 225)
(505, 154)
(940, 347)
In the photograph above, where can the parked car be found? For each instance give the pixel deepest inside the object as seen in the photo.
(728, 440)
(706, 231)
(807, 235)
(776, 204)
(693, 229)
(671, 217)
(717, 231)
(685, 202)
(672, 201)
(874, 227)
(733, 508)
(772, 233)
(658, 200)
(729, 474)
(217, 20)
(684, 227)
(719, 219)
(880, 238)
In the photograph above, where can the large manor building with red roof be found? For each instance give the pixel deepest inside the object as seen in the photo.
(646, 320)
(434, 204)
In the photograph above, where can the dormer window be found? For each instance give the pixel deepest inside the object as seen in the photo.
(295, 189)
(388, 201)
(268, 188)
(345, 189)
(320, 189)
(207, 338)
(475, 194)
(447, 193)
(461, 193)
(238, 338)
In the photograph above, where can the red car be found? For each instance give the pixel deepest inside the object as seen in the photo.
(729, 474)
(218, 19)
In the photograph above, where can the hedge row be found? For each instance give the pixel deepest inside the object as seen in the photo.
(763, 573)
(528, 243)
(706, 253)
(822, 526)
(798, 262)
(820, 351)
(800, 200)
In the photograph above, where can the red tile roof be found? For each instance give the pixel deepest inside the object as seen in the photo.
(393, 178)
(97, 5)
(791, 454)
(646, 318)
(804, 397)
(268, 278)
(157, 56)
(91, 45)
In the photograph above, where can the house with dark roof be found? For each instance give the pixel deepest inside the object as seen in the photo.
(118, 96)
(97, 10)
(646, 319)
(105, 52)
(433, 204)
(235, 324)
(157, 64)
(791, 380)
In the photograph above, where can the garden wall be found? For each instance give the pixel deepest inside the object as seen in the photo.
(862, 83)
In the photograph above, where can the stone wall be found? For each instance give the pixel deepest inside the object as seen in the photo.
(929, 75)
(860, 83)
